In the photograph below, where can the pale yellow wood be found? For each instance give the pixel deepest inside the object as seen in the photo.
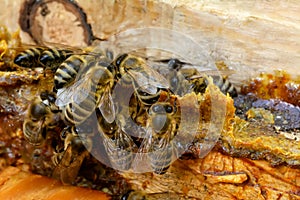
(249, 36)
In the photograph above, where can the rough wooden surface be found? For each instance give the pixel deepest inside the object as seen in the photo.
(18, 184)
(221, 177)
(249, 36)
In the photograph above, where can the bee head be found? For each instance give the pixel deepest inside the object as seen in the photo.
(174, 64)
(37, 111)
(160, 117)
(159, 108)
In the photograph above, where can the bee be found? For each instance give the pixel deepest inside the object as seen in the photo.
(78, 64)
(162, 127)
(135, 70)
(119, 146)
(69, 160)
(224, 84)
(42, 115)
(68, 70)
(185, 80)
(48, 58)
(92, 90)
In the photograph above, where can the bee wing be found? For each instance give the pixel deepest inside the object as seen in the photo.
(145, 146)
(141, 161)
(224, 73)
(120, 150)
(76, 92)
(74, 49)
(48, 45)
(148, 81)
(161, 154)
(106, 106)
(25, 46)
(68, 168)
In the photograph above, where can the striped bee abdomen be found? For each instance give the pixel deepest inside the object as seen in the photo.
(29, 58)
(67, 71)
(52, 58)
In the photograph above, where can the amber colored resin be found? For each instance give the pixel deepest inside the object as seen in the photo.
(279, 85)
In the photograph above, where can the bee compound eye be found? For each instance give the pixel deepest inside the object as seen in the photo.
(157, 108)
(169, 109)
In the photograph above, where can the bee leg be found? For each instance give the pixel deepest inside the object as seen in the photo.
(44, 132)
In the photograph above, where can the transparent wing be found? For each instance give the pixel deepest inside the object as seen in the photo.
(75, 49)
(68, 168)
(25, 46)
(76, 92)
(93, 55)
(141, 162)
(161, 153)
(146, 144)
(106, 106)
(120, 150)
(148, 81)
(47, 45)
(161, 158)
(224, 73)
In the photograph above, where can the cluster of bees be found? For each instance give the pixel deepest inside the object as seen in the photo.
(122, 92)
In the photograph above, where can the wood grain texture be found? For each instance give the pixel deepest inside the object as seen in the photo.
(18, 184)
(248, 36)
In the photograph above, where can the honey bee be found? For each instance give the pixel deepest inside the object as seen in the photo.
(48, 58)
(68, 70)
(69, 160)
(225, 85)
(77, 64)
(92, 90)
(42, 115)
(135, 70)
(185, 80)
(119, 146)
(162, 127)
